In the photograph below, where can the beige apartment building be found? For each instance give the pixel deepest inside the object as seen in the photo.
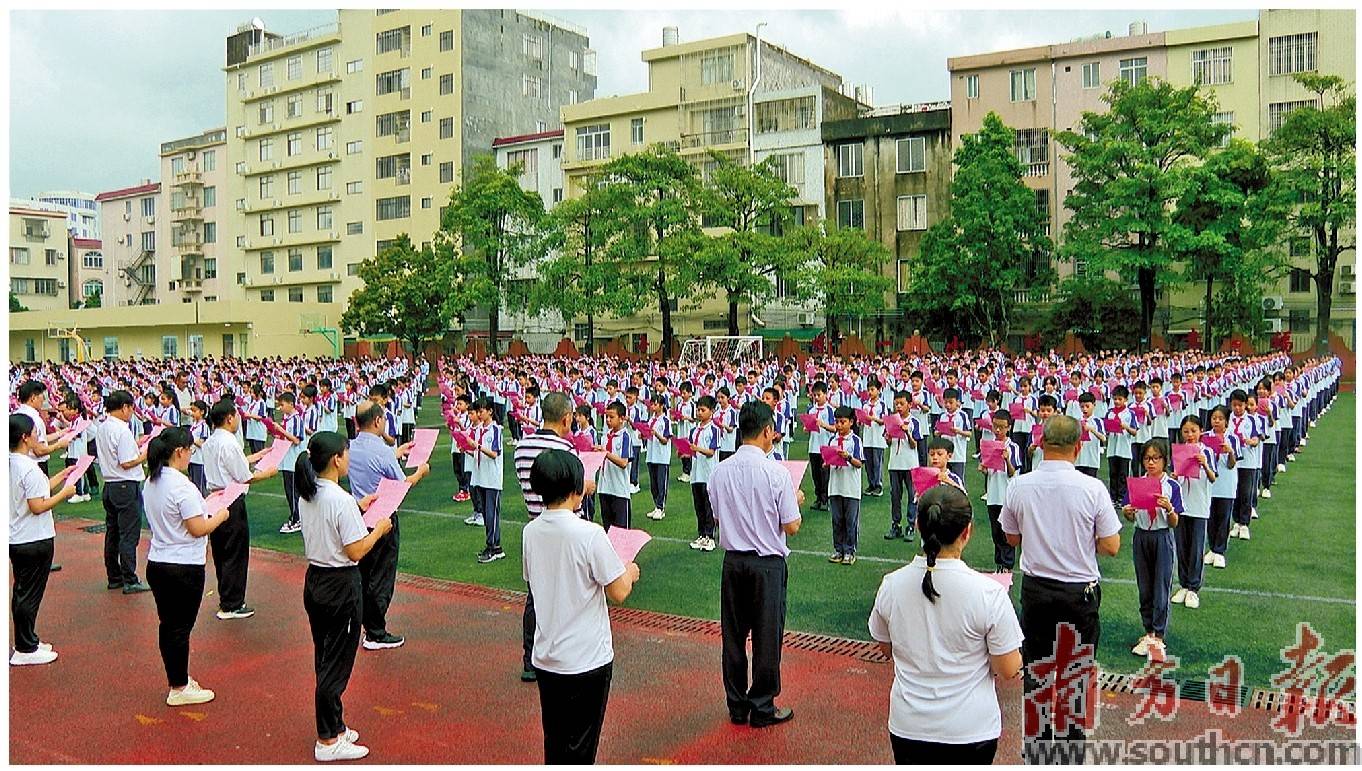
(128, 218)
(90, 274)
(190, 265)
(38, 265)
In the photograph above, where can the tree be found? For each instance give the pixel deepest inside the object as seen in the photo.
(753, 204)
(401, 295)
(992, 245)
(14, 305)
(584, 274)
(843, 269)
(1315, 153)
(1100, 312)
(489, 230)
(661, 189)
(94, 300)
(1129, 166)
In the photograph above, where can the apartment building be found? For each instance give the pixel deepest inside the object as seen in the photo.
(192, 263)
(82, 211)
(90, 275)
(38, 248)
(345, 136)
(128, 219)
(540, 155)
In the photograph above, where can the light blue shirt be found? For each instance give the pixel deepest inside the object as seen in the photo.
(752, 497)
(371, 460)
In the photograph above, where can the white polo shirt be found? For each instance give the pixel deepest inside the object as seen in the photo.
(26, 482)
(943, 684)
(1060, 513)
(224, 462)
(567, 562)
(331, 521)
(169, 500)
(39, 429)
(114, 445)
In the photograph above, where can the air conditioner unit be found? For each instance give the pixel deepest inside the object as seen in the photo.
(1273, 303)
(807, 319)
(127, 217)
(151, 220)
(1349, 271)
(331, 154)
(737, 84)
(1347, 287)
(61, 284)
(1274, 325)
(191, 155)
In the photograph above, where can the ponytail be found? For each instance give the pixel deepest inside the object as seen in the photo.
(322, 447)
(304, 477)
(162, 447)
(943, 513)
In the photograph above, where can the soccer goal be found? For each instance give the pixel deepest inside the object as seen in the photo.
(720, 350)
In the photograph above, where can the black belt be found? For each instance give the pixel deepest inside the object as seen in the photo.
(122, 482)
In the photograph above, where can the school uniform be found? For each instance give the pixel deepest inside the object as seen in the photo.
(705, 435)
(1245, 427)
(683, 428)
(817, 438)
(1270, 428)
(919, 410)
(31, 541)
(875, 444)
(614, 485)
(1223, 493)
(903, 458)
(635, 412)
(1118, 452)
(960, 441)
(224, 463)
(1189, 537)
(199, 432)
(844, 495)
(1021, 427)
(1153, 552)
(175, 566)
(781, 423)
(328, 404)
(728, 431)
(78, 448)
(588, 502)
(122, 498)
(659, 459)
(486, 481)
(1143, 413)
(407, 400)
(995, 493)
(295, 425)
(460, 460)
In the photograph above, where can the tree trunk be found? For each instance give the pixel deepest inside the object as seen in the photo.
(1324, 303)
(1206, 342)
(590, 334)
(1146, 281)
(732, 315)
(830, 332)
(493, 321)
(665, 306)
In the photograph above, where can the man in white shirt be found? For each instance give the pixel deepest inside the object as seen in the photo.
(120, 463)
(225, 463)
(32, 394)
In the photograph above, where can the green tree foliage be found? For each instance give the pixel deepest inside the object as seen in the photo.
(753, 205)
(842, 269)
(1130, 164)
(95, 300)
(1101, 312)
(1315, 153)
(991, 246)
(402, 295)
(15, 306)
(489, 230)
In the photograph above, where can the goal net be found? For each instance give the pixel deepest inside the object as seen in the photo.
(720, 350)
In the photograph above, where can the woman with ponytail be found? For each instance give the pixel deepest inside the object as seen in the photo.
(334, 540)
(175, 564)
(950, 631)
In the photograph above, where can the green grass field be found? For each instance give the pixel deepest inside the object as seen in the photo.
(1299, 566)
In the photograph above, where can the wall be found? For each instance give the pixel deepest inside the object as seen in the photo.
(52, 237)
(1240, 95)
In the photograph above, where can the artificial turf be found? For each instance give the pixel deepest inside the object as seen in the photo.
(1302, 553)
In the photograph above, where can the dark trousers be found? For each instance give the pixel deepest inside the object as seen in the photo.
(1045, 604)
(1004, 554)
(633, 467)
(1218, 528)
(178, 590)
(686, 461)
(1023, 441)
(1189, 539)
(819, 472)
(31, 563)
(900, 487)
(1137, 455)
(333, 600)
(1118, 469)
(846, 523)
(874, 468)
(489, 503)
(1153, 554)
(231, 542)
(527, 623)
(255, 445)
(911, 752)
(704, 517)
(752, 601)
(350, 429)
(1246, 495)
(614, 511)
(1089, 470)
(463, 478)
(1269, 469)
(197, 476)
(122, 530)
(573, 710)
(658, 483)
(290, 496)
(378, 576)
(408, 429)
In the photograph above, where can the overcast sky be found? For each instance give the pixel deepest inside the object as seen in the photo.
(93, 94)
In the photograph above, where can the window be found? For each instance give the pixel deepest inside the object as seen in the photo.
(425, 30)
(1092, 75)
(241, 242)
(1033, 150)
(447, 40)
(1212, 66)
(326, 137)
(295, 221)
(557, 151)
(1300, 280)
(636, 131)
(1134, 70)
(392, 80)
(265, 113)
(354, 66)
(572, 96)
(971, 86)
(396, 207)
(392, 40)
(295, 294)
(716, 67)
(323, 60)
(324, 293)
(295, 182)
(849, 160)
(111, 348)
(18, 255)
(241, 81)
(1292, 53)
(558, 195)
(851, 214)
(148, 207)
(593, 142)
(50, 256)
(1299, 246)
(529, 86)
(295, 67)
(324, 257)
(912, 212)
(446, 128)
(785, 114)
(352, 269)
(295, 143)
(527, 159)
(789, 168)
(267, 262)
(1277, 112)
(1299, 319)
(354, 228)
(324, 215)
(209, 160)
(447, 171)
(267, 186)
(356, 106)
(324, 178)
(267, 295)
(354, 148)
(177, 165)
(532, 46)
(210, 196)
(266, 225)
(912, 154)
(266, 149)
(354, 188)
(210, 267)
(266, 74)
(1043, 206)
(210, 232)
(392, 123)
(295, 260)
(148, 240)
(92, 287)
(169, 346)
(324, 102)
(574, 61)
(1226, 119)
(426, 72)
(446, 84)
(1024, 85)
(93, 260)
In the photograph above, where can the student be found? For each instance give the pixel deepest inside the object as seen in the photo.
(659, 450)
(634, 410)
(1144, 418)
(32, 399)
(486, 479)
(72, 411)
(571, 569)
(1269, 425)
(225, 463)
(945, 625)
(704, 441)
(772, 398)
(1189, 536)
(294, 428)
(939, 452)
(903, 458)
(32, 534)
(1021, 427)
(334, 540)
(613, 489)
(175, 563)
(198, 433)
(686, 425)
(874, 440)
(726, 419)
(995, 490)
(1245, 428)
(1046, 408)
(1153, 548)
(463, 469)
(1223, 490)
(1118, 444)
(822, 411)
(957, 433)
(582, 416)
(1090, 449)
(844, 488)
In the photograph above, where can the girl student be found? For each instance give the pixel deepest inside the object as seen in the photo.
(1153, 548)
(175, 564)
(71, 411)
(334, 540)
(1189, 537)
(199, 433)
(1223, 490)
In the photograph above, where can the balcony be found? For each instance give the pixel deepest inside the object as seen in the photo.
(1037, 169)
(189, 177)
(1031, 297)
(732, 136)
(37, 234)
(188, 211)
(190, 285)
(190, 246)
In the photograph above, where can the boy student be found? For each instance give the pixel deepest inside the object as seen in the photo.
(582, 427)
(726, 418)
(659, 449)
(772, 398)
(687, 423)
(1021, 426)
(635, 410)
(957, 432)
(1089, 452)
(1190, 535)
(533, 415)
(1159, 418)
(823, 412)
(72, 410)
(1046, 408)
(293, 434)
(486, 478)
(1144, 416)
(874, 441)
(1118, 444)
(329, 405)
(844, 488)
(1245, 427)
(1224, 490)
(939, 452)
(463, 470)
(614, 488)
(919, 406)
(995, 489)
(198, 433)
(1268, 422)
(704, 440)
(903, 459)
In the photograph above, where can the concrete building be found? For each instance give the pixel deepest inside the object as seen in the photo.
(38, 245)
(194, 263)
(541, 156)
(82, 211)
(90, 275)
(889, 173)
(345, 136)
(128, 219)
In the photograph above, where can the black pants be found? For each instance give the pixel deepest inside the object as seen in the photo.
(491, 514)
(461, 477)
(901, 486)
(1118, 469)
(527, 624)
(658, 484)
(704, 516)
(1246, 495)
(1189, 539)
(350, 429)
(32, 563)
(197, 476)
(1089, 470)
(911, 752)
(820, 478)
(1269, 469)
(573, 711)
(255, 445)
(91, 476)
(122, 530)
(1004, 553)
(1045, 604)
(752, 601)
(178, 590)
(1023, 441)
(231, 542)
(378, 574)
(1218, 528)
(333, 602)
(290, 495)
(614, 511)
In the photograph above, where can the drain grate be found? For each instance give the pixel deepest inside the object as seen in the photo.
(94, 528)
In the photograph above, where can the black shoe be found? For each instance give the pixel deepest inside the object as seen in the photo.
(894, 532)
(381, 640)
(820, 506)
(528, 675)
(136, 588)
(490, 555)
(114, 585)
(54, 568)
(737, 719)
(781, 715)
(908, 536)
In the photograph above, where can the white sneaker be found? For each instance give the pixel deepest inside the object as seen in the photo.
(1209, 559)
(1243, 533)
(684, 478)
(1266, 494)
(1178, 596)
(1192, 601)
(42, 646)
(1142, 647)
(634, 489)
(1281, 468)
(1254, 513)
(708, 545)
(1234, 530)
(193, 693)
(1219, 560)
(473, 519)
(1291, 456)
(351, 735)
(341, 749)
(289, 527)
(39, 656)
(698, 543)
(1313, 423)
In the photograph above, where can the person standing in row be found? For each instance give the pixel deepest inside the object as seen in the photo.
(120, 464)
(32, 395)
(334, 540)
(225, 463)
(32, 536)
(175, 563)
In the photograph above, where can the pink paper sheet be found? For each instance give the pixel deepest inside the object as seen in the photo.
(925, 478)
(1185, 463)
(627, 542)
(862, 416)
(146, 439)
(644, 429)
(683, 447)
(810, 422)
(78, 470)
(592, 462)
(945, 428)
(991, 453)
(1017, 410)
(832, 456)
(1111, 425)
(1143, 492)
(390, 494)
(581, 442)
(1213, 441)
(223, 498)
(796, 469)
(423, 444)
(893, 427)
(76, 428)
(271, 459)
